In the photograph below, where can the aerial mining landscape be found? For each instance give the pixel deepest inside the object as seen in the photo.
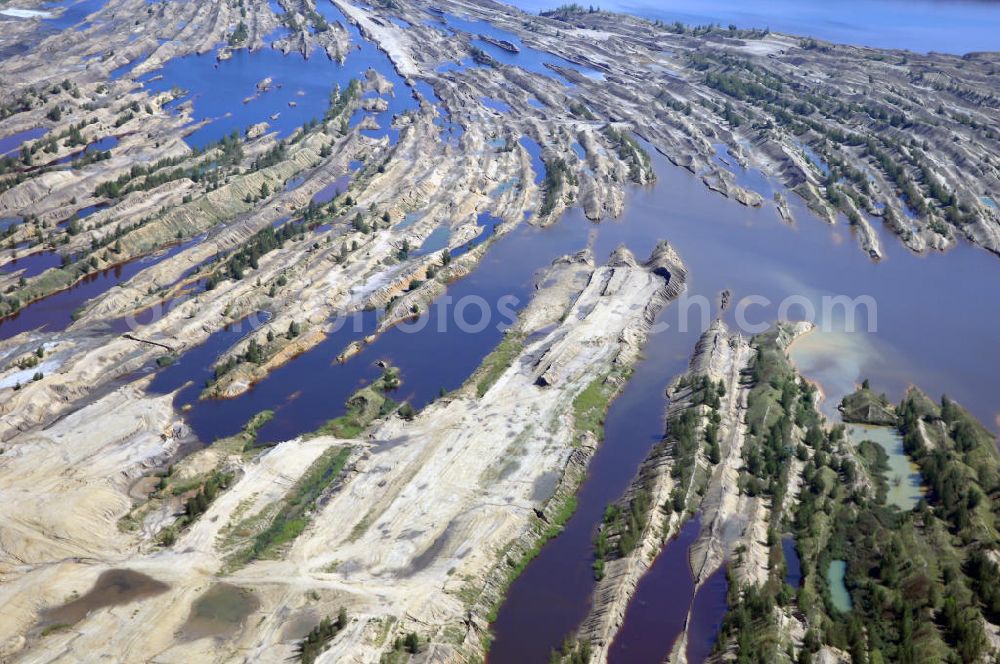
(457, 331)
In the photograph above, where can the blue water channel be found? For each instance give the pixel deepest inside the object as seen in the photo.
(73, 13)
(312, 388)
(917, 25)
(11, 144)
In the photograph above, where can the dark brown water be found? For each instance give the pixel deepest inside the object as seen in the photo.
(113, 588)
(220, 611)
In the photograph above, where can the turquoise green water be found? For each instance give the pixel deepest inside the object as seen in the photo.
(905, 482)
(838, 591)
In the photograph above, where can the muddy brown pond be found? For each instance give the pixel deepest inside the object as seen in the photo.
(113, 588)
(220, 611)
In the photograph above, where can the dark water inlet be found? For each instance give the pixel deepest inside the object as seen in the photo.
(54, 313)
(73, 13)
(707, 612)
(9, 145)
(535, 150)
(196, 364)
(338, 186)
(656, 618)
(793, 565)
(432, 353)
(33, 264)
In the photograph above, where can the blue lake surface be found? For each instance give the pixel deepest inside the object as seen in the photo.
(495, 104)
(748, 178)
(439, 237)
(436, 241)
(8, 222)
(73, 13)
(226, 93)
(947, 26)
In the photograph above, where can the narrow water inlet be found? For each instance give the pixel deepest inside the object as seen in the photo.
(707, 611)
(313, 387)
(659, 609)
(793, 564)
(55, 312)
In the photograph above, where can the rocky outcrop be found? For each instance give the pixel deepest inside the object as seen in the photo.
(608, 282)
(865, 406)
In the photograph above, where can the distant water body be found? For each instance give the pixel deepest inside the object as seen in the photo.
(946, 26)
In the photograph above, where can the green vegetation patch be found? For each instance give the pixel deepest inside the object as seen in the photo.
(319, 637)
(920, 582)
(557, 174)
(293, 516)
(498, 361)
(868, 407)
(640, 167)
(364, 407)
(591, 405)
